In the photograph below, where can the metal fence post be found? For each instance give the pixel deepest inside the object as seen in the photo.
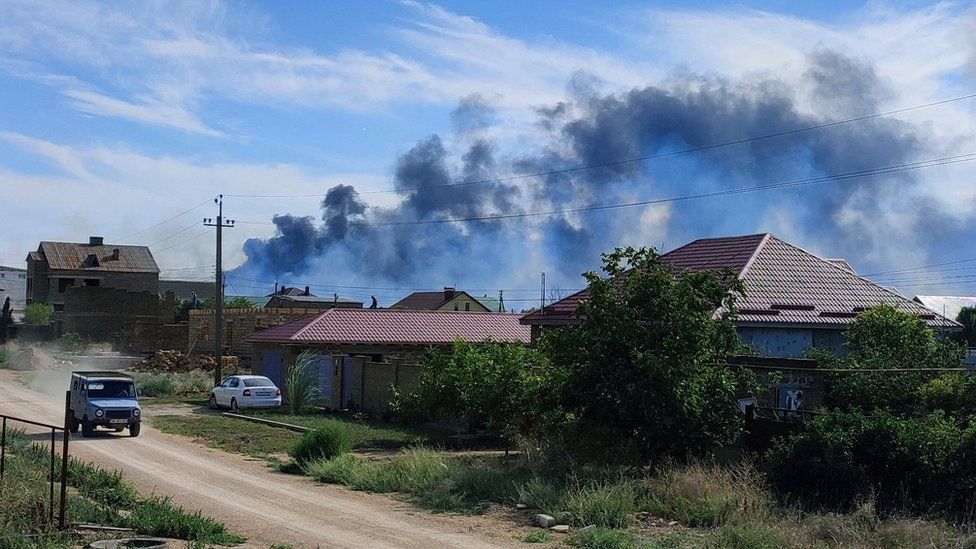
(62, 522)
(3, 451)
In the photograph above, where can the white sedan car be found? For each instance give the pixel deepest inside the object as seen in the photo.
(238, 392)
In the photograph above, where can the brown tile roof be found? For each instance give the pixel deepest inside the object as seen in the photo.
(397, 327)
(785, 285)
(69, 256)
(421, 301)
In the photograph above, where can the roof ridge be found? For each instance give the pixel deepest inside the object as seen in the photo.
(313, 321)
(755, 253)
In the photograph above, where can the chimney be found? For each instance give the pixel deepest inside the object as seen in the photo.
(95, 241)
(115, 254)
(449, 292)
(306, 290)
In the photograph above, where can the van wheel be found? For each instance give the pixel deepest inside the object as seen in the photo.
(233, 405)
(212, 403)
(134, 429)
(87, 428)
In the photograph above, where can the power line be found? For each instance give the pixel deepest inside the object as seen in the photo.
(167, 220)
(898, 168)
(922, 267)
(198, 235)
(177, 233)
(639, 158)
(187, 268)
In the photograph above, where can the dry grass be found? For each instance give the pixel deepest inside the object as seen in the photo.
(703, 494)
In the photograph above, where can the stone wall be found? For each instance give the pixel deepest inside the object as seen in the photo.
(238, 325)
(99, 313)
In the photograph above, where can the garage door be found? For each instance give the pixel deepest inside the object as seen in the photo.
(271, 366)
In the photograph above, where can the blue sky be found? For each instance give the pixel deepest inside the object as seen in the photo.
(114, 117)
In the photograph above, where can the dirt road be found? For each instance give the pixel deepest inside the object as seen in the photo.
(254, 501)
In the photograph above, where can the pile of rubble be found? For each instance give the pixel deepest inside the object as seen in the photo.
(32, 359)
(177, 361)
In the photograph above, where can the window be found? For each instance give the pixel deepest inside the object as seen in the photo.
(64, 284)
(93, 282)
(258, 382)
(234, 382)
(3, 275)
(111, 388)
(59, 307)
(467, 305)
(455, 306)
(21, 276)
(30, 284)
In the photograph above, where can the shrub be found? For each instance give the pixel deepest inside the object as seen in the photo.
(542, 495)
(537, 537)
(844, 458)
(326, 442)
(156, 385)
(71, 342)
(38, 314)
(300, 383)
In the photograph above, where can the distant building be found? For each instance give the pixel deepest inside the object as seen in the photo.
(448, 300)
(55, 268)
(186, 289)
(360, 354)
(13, 284)
(294, 298)
(948, 306)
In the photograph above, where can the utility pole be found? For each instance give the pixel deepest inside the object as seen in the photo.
(542, 298)
(219, 287)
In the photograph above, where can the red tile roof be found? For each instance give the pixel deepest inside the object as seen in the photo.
(397, 327)
(785, 285)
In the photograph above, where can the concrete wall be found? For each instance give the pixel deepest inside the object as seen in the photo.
(13, 283)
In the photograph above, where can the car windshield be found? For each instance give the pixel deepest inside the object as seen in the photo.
(258, 382)
(111, 388)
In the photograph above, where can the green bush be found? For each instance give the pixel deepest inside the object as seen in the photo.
(843, 459)
(156, 385)
(38, 314)
(71, 342)
(326, 442)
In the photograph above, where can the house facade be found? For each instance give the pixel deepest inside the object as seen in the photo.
(794, 299)
(360, 354)
(448, 300)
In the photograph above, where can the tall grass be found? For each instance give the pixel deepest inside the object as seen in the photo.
(703, 494)
(300, 386)
(169, 384)
(326, 442)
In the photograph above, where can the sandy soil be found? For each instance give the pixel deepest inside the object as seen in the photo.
(266, 506)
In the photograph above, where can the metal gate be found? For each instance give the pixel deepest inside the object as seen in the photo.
(271, 366)
(322, 366)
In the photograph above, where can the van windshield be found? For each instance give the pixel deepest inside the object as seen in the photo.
(111, 388)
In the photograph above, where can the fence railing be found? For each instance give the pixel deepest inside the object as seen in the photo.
(8, 422)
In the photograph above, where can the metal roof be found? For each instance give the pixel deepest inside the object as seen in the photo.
(397, 327)
(70, 256)
(785, 285)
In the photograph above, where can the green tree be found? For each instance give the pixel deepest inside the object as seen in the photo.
(496, 384)
(967, 317)
(38, 314)
(646, 359)
(235, 302)
(884, 338)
